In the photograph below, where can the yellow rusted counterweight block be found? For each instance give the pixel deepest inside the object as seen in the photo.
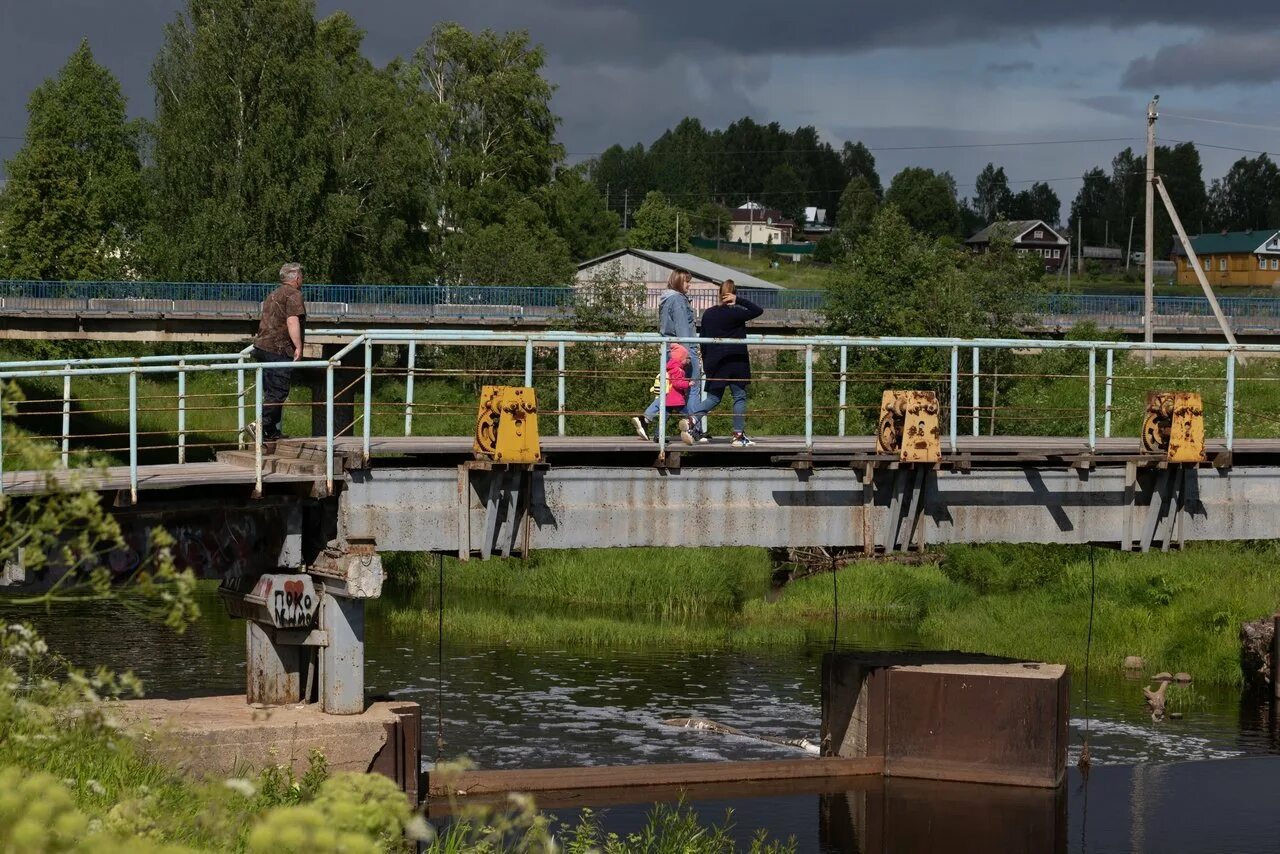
(909, 426)
(507, 425)
(1174, 426)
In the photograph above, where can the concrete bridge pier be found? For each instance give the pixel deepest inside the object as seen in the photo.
(304, 634)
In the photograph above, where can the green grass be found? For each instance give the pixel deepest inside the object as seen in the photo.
(1179, 611)
(802, 275)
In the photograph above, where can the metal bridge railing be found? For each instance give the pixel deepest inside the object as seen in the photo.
(239, 387)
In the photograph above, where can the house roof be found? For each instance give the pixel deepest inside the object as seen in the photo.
(1018, 228)
(762, 216)
(699, 267)
(1227, 242)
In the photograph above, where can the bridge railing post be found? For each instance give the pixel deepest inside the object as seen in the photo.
(368, 399)
(408, 389)
(182, 411)
(66, 418)
(257, 434)
(1229, 408)
(528, 362)
(328, 429)
(1093, 399)
(2, 382)
(976, 392)
(133, 437)
(955, 392)
(1106, 399)
(662, 399)
(808, 397)
(240, 403)
(560, 379)
(844, 388)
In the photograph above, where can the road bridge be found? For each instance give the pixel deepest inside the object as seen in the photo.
(315, 512)
(228, 313)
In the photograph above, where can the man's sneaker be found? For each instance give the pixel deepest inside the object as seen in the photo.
(742, 440)
(698, 436)
(641, 425)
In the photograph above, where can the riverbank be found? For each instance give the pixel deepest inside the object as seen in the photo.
(1179, 611)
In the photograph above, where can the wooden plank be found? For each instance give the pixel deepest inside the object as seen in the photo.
(668, 774)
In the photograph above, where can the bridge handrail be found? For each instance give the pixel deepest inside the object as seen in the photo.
(563, 297)
(368, 339)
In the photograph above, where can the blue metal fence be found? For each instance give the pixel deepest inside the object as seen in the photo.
(562, 298)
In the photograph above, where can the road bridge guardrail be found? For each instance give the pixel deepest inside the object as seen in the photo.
(223, 391)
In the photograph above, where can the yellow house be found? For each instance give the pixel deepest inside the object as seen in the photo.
(1232, 258)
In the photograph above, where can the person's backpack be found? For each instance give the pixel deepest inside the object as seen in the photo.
(656, 388)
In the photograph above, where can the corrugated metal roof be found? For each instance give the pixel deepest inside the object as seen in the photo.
(700, 267)
(1231, 242)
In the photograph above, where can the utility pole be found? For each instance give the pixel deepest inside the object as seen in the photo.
(606, 196)
(1080, 243)
(751, 227)
(626, 206)
(1148, 276)
(1128, 252)
(677, 249)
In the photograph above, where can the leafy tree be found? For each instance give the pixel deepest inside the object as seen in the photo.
(1003, 285)
(239, 141)
(858, 207)
(374, 198)
(1089, 209)
(858, 161)
(576, 212)
(712, 220)
(70, 209)
(622, 176)
(895, 281)
(488, 108)
(992, 198)
(1248, 196)
(926, 199)
(819, 167)
(784, 190)
(521, 249)
(680, 161)
(656, 225)
(1039, 201)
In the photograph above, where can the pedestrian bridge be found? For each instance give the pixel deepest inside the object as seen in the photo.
(390, 464)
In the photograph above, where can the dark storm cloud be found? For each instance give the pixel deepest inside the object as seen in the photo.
(1010, 67)
(1216, 59)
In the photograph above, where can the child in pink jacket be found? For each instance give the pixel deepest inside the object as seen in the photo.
(677, 393)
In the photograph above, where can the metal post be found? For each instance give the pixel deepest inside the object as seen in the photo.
(328, 429)
(1093, 399)
(257, 434)
(1, 436)
(528, 363)
(976, 391)
(66, 418)
(1275, 657)
(1229, 427)
(1148, 246)
(368, 398)
(240, 404)
(808, 398)
(342, 661)
(182, 411)
(133, 437)
(408, 390)
(955, 392)
(1106, 405)
(844, 367)
(560, 389)
(662, 400)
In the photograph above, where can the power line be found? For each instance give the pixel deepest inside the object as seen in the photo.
(1211, 145)
(939, 147)
(1208, 120)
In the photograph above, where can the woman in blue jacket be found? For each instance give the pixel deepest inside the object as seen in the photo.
(726, 365)
(675, 320)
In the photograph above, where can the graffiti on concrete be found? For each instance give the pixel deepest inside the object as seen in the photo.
(219, 544)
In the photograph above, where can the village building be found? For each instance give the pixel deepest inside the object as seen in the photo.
(1030, 237)
(754, 223)
(1232, 258)
(653, 268)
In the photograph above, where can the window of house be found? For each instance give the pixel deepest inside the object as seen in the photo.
(1039, 234)
(1208, 264)
(1222, 265)
(1262, 263)
(1275, 263)
(1057, 253)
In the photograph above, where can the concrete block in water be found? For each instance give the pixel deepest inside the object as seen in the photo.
(224, 736)
(964, 718)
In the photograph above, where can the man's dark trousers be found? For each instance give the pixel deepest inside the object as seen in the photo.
(275, 389)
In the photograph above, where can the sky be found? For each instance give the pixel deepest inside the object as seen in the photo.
(922, 83)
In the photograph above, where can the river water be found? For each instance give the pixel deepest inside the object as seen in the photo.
(1205, 782)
